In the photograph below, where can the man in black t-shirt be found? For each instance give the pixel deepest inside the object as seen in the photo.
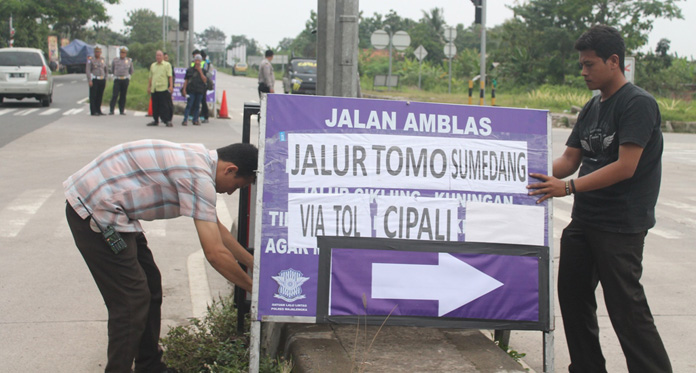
(617, 144)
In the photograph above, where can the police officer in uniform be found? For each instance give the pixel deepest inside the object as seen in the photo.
(122, 69)
(96, 78)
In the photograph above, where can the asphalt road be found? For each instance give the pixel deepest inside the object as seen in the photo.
(52, 318)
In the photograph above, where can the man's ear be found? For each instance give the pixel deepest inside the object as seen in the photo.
(231, 168)
(614, 59)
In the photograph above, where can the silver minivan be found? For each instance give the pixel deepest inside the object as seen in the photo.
(24, 73)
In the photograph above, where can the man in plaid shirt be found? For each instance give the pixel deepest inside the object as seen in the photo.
(152, 179)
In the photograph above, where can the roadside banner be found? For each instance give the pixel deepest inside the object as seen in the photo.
(415, 211)
(179, 74)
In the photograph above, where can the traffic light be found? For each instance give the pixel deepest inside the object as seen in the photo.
(183, 15)
(477, 5)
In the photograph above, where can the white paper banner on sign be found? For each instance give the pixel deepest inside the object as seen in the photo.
(513, 224)
(416, 218)
(339, 215)
(360, 161)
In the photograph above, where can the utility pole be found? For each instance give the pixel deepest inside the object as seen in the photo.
(483, 51)
(337, 48)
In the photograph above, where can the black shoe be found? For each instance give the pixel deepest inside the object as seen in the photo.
(121, 113)
(205, 120)
(111, 113)
(96, 114)
(152, 124)
(168, 124)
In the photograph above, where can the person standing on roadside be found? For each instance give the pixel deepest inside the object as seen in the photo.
(171, 101)
(96, 78)
(160, 85)
(195, 87)
(266, 78)
(121, 69)
(617, 144)
(151, 180)
(204, 104)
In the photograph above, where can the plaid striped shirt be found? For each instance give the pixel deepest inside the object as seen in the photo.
(146, 179)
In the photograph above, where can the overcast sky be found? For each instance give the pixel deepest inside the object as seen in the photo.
(269, 21)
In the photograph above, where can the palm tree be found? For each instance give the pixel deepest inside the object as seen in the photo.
(435, 21)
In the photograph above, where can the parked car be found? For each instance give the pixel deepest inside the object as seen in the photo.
(301, 76)
(240, 68)
(24, 73)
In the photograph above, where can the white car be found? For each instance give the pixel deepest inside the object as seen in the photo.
(24, 73)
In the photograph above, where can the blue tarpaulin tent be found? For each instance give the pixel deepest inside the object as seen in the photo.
(76, 53)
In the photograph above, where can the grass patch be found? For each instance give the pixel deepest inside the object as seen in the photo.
(557, 99)
(211, 344)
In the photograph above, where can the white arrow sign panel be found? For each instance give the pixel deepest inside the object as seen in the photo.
(452, 282)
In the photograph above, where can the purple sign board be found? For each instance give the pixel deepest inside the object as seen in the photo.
(413, 210)
(179, 74)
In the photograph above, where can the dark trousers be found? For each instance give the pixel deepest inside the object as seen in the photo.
(161, 106)
(194, 99)
(96, 93)
(204, 107)
(131, 286)
(120, 91)
(589, 256)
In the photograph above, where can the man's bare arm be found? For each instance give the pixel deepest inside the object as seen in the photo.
(219, 256)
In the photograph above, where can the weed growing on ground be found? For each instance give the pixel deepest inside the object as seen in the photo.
(361, 366)
(211, 344)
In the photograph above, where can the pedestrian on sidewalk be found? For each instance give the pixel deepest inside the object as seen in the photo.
(266, 78)
(171, 97)
(617, 145)
(96, 79)
(121, 69)
(195, 87)
(149, 180)
(160, 85)
(207, 67)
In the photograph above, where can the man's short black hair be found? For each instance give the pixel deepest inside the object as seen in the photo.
(605, 41)
(244, 156)
(269, 53)
(203, 54)
(195, 52)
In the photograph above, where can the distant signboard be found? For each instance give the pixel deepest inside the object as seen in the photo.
(630, 69)
(179, 74)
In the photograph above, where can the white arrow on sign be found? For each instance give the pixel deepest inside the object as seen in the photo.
(452, 282)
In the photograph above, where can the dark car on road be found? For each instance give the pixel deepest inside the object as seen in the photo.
(301, 76)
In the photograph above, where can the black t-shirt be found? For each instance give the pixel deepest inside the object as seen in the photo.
(195, 82)
(631, 115)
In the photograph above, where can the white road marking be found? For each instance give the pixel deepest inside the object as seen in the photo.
(73, 111)
(140, 114)
(666, 233)
(59, 84)
(155, 228)
(679, 205)
(198, 284)
(223, 212)
(50, 111)
(25, 112)
(18, 213)
(6, 111)
(83, 100)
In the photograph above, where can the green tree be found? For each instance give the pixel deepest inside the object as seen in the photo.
(143, 26)
(305, 44)
(34, 20)
(540, 37)
(252, 45)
